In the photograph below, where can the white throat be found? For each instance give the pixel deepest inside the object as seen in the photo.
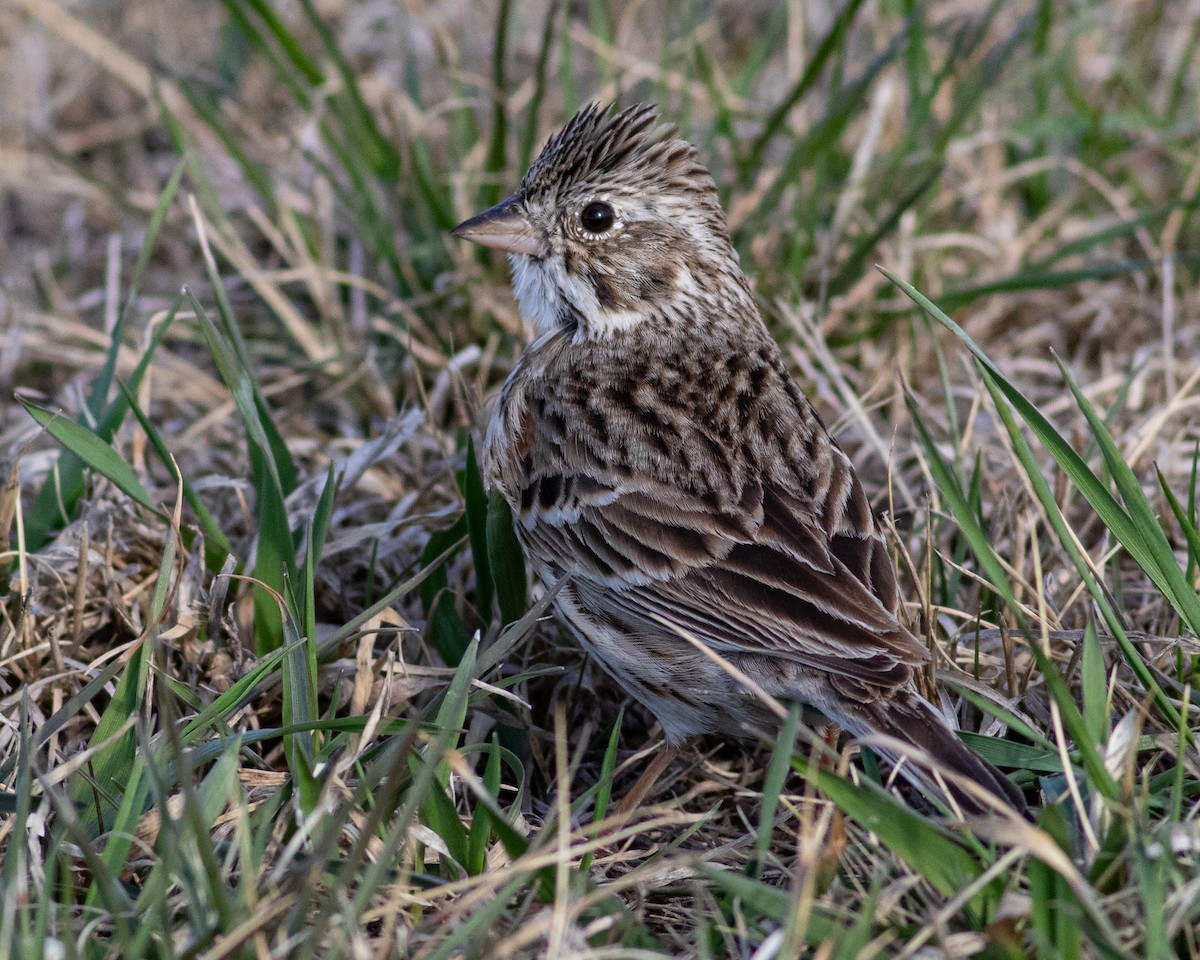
(546, 294)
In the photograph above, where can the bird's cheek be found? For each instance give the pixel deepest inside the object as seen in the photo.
(610, 293)
(658, 282)
(574, 258)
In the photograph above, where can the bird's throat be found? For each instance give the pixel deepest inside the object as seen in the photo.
(551, 297)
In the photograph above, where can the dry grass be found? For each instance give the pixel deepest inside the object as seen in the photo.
(1059, 172)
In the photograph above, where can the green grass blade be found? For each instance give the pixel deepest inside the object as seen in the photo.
(270, 465)
(111, 764)
(257, 175)
(1036, 279)
(436, 807)
(240, 384)
(1055, 914)
(287, 41)
(821, 138)
(97, 397)
(604, 784)
(1076, 469)
(65, 485)
(496, 160)
(932, 853)
(949, 486)
(300, 713)
(93, 453)
(852, 266)
(481, 819)
(238, 694)
(352, 626)
(447, 632)
(1147, 542)
(1097, 713)
(134, 799)
(506, 559)
(314, 543)
(814, 66)
(1058, 523)
(529, 137)
(763, 900)
(14, 859)
(282, 66)
(1184, 519)
(1193, 515)
(1014, 756)
(359, 123)
(476, 500)
(216, 544)
(981, 544)
(777, 772)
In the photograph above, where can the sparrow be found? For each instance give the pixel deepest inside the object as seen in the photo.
(709, 540)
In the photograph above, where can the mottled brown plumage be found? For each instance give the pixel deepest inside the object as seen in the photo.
(660, 460)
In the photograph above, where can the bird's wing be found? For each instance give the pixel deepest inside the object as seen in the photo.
(749, 567)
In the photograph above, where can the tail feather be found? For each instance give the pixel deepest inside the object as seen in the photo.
(911, 719)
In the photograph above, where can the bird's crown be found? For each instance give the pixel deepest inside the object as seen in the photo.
(598, 144)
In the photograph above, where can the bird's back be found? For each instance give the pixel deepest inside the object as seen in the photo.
(693, 469)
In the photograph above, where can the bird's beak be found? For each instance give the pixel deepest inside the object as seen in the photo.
(506, 228)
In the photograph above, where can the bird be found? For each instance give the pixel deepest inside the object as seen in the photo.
(711, 546)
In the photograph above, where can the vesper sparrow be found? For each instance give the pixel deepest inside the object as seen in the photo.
(658, 456)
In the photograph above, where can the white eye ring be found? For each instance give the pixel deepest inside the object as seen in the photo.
(597, 217)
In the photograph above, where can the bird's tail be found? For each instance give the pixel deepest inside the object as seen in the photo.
(909, 720)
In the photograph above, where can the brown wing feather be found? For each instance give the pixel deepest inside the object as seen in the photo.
(758, 598)
(780, 556)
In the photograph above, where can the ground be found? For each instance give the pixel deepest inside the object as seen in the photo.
(272, 681)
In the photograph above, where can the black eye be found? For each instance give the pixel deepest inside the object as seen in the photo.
(597, 217)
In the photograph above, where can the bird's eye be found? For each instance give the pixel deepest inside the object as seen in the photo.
(597, 217)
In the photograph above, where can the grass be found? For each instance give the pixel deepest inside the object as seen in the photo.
(273, 682)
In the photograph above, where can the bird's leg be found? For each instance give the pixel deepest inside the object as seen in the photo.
(637, 793)
(830, 733)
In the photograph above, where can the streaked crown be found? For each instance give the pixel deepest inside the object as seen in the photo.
(615, 223)
(598, 146)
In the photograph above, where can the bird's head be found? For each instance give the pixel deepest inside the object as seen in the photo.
(617, 222)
